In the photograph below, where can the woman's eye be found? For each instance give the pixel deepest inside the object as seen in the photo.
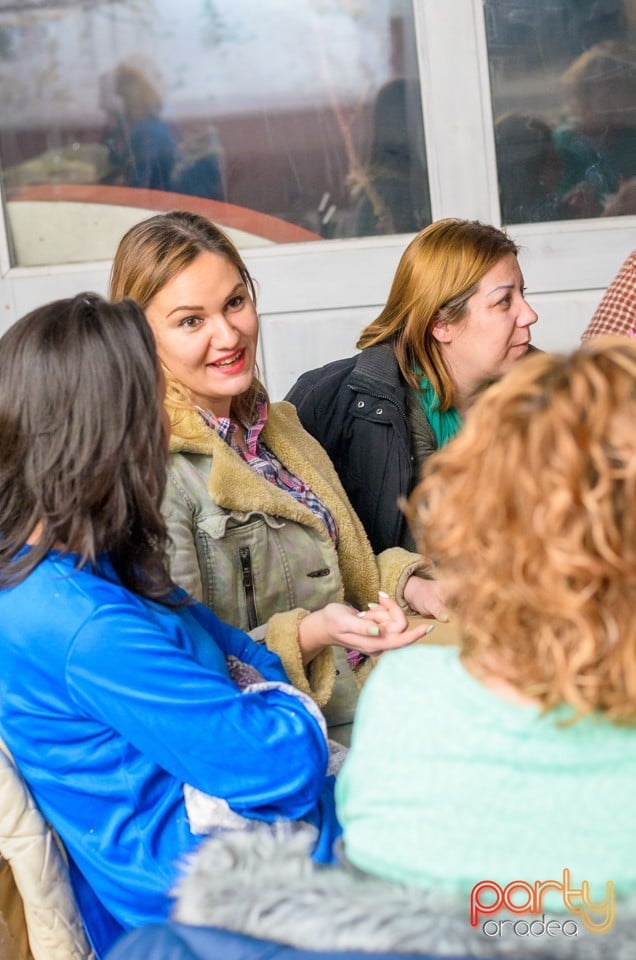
(236, 302)
(505, 301)
(189, 322)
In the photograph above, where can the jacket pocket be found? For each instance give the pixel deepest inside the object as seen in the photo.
(258, 568)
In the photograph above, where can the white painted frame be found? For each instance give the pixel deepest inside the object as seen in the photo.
(314, 297)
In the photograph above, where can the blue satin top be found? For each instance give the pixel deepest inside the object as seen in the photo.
(110, 703)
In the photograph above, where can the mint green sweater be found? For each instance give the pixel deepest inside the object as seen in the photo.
(446, 784)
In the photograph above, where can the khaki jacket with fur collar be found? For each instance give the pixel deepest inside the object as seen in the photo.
(255, 555)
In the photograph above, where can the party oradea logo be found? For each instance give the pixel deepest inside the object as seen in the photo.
(488, 898)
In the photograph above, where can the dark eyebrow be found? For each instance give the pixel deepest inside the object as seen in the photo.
(238, 286)
(199, 309)
(502, 286)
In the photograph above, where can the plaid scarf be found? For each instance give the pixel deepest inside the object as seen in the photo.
(261, 459)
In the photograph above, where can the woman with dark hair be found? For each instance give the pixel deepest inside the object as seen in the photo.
(117, 697)
(391, 191)
(529, 169)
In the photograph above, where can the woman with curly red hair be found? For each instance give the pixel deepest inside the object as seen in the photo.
(514, 757)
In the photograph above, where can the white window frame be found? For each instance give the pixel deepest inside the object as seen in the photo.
(314, 297)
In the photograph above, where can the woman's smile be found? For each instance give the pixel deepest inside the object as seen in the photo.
(206, 329)
(234, 363)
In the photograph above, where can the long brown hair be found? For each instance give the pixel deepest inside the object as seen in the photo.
(437, 274)
(138, 95)
(530, 514)
(83, 449)
(154, 251)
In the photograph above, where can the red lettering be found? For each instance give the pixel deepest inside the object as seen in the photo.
(529, 906)
(476, 905)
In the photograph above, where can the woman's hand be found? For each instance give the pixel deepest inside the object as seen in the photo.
(426, 597)
(383, 627)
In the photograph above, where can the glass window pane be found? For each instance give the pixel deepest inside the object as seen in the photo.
(563, 79)
(286, 121)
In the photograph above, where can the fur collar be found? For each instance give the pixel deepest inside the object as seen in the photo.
(234, 486)
(263, 883)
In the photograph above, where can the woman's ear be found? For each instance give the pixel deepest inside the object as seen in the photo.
(442, 330)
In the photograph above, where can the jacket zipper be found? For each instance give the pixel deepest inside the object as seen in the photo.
(248, 586)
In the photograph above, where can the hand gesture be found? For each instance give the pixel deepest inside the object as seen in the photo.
(371, 632)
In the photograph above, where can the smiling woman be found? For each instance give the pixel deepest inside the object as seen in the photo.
(206, 328)
(261, 528)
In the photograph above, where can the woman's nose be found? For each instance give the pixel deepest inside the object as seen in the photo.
(223, 333)
(528, 316)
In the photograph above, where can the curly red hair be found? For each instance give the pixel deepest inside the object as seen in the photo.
(530, 515)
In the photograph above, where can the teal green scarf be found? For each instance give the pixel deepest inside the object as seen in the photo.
(445, 423)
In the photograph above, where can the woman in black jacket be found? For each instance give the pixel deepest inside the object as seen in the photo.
(456, 318)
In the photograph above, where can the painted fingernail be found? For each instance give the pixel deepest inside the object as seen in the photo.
(373, 606)
(429, 629)
(443, 618)
(361, 614)
(381, 593)
(373, 630)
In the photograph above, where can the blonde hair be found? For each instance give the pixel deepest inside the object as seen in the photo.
(437, 274)
(139, 97)
(154, 251)
(530, 514)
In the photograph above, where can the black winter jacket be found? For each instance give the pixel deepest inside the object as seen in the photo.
(357, 410)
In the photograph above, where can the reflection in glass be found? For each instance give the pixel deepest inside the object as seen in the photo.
(306, 113)
(142, 148)
(563, 79)
(391, 189)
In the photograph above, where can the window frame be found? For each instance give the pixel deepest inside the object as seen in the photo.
(561, 260)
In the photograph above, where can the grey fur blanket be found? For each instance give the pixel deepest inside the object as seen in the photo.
(262, 882)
